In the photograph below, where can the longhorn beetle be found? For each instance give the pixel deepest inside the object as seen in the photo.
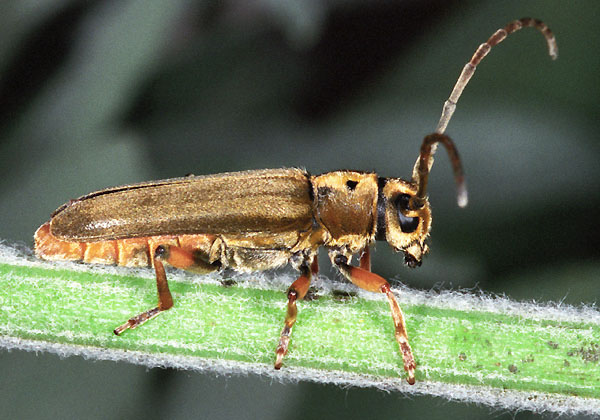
(262, 219)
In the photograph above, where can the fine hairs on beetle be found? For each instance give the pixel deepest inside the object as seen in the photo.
(208, 223)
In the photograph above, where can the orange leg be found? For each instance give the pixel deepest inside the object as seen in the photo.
(314, 267)
(177, 257)
(365, 259)
(374, 283)
(296, 291)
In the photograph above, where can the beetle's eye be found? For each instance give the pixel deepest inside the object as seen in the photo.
(407, 224)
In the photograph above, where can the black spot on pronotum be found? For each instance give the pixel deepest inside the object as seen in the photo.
(407, 224)
(351, 184)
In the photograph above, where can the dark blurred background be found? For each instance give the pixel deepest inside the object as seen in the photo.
(102, 93)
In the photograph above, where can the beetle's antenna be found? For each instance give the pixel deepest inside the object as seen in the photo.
(423, 166)
(482, 51)
(425, 160)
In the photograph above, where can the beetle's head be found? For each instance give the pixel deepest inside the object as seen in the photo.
(408, 200)
(403, 207)
(406, 228)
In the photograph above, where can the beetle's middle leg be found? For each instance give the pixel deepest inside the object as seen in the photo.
(177, 257)
(365, 279)
(297, 290)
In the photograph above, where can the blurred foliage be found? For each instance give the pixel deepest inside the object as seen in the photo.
(99, 93)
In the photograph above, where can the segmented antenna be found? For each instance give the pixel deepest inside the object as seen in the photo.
(482, 51)
(425, 160)
(423, 166)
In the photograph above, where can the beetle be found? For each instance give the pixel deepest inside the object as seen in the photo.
(263, 219)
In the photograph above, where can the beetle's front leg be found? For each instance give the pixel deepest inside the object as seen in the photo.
(366, 280)
(296, 291)
(177, 257)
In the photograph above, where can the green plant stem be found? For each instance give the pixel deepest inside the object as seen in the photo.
(481, 344)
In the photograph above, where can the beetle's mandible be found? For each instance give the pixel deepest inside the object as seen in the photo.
(207, 223)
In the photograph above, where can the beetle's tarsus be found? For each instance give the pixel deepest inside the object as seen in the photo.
(282, 347)
(119, 330)
(138, 320)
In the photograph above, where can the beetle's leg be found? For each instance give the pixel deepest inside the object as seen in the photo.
(374, 283)
(314, 266)
(177, 257)
(165, 300)
(296, 291)
(365, 259)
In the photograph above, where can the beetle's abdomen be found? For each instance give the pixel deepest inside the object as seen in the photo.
(134, 252)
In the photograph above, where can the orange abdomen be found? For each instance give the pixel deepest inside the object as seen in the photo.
(131, 252)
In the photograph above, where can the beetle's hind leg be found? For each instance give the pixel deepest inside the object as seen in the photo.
(297, 290)
(177, 257)
(365, 279)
